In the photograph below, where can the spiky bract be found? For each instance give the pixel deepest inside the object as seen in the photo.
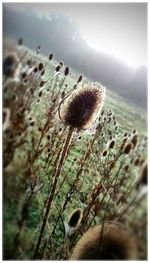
(107, 242)
(82, 106)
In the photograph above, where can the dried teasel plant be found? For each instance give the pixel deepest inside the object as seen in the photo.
(79, 110)
(74, 220)
(108, 241)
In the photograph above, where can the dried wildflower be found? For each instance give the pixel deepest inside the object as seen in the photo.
(11, 65)
(66, 72)
(63, 94)
(137, 162)
(61, 64)
(40, 94)
(50, 56)
(134, 141)
(112, 144)
(75, 218)
(57, 69)
(104, 153)
(105, 242)
(82, 106)
(42, 83)
(79, 79)
(112, 165)
(40, 66)
(23, 75)
(42, 72)
(35, 70)
(127, 148)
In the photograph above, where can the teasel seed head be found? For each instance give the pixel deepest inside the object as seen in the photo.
(61, 63)
(66, 72)
(42, 83)
(40, 66)
(50, 56)
(42, 72)
(81, 108)
(137, 162)
(75, 218)
(79, 79)
(11, 65)
(35, 70)
(127, 148)
(112, 144)
(134, 141)
(105, 242)
(57, 69)
(104, 153)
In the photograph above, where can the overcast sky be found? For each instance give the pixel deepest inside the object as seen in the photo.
(119, 29)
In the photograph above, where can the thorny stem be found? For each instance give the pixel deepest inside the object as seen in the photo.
(52, 192)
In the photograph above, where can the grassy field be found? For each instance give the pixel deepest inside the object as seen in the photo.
(102, 185)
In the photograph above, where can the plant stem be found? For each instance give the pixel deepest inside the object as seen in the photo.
(52, 192)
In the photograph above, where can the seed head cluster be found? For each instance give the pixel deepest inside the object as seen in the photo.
(82, 106)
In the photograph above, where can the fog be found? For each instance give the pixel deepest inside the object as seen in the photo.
(61, 34)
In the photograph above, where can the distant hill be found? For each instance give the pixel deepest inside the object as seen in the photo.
(60, 35)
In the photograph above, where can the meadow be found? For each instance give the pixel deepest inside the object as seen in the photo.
(58, 180)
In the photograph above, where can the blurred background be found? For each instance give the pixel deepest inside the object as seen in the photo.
(107, 42)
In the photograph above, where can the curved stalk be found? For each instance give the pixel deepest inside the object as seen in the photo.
(52, 192)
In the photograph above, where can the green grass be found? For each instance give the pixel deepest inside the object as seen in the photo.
(128, 118)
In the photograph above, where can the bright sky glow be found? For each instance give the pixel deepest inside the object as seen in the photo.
(119, 29)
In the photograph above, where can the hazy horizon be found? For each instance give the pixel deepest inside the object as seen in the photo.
(118, 29)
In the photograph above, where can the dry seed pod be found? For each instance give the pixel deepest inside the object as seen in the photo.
(57, 69)
(104, 153)
(66, 72)
(75, 218)
(112, 144)
(81, 108)
(50, 56)
(40, 66)
(127, 148)
(79, 79)
(134, 141)
(11, 65)
(107, 242)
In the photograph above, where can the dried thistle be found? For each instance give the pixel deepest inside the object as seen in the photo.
(40, 66)
(82, 106)
(79, 79)
(11, 65)
(105, 242)
(75, 218)
(50, 56)
(134, 141)
(127, 148)
(66, 72)
(112, 144)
